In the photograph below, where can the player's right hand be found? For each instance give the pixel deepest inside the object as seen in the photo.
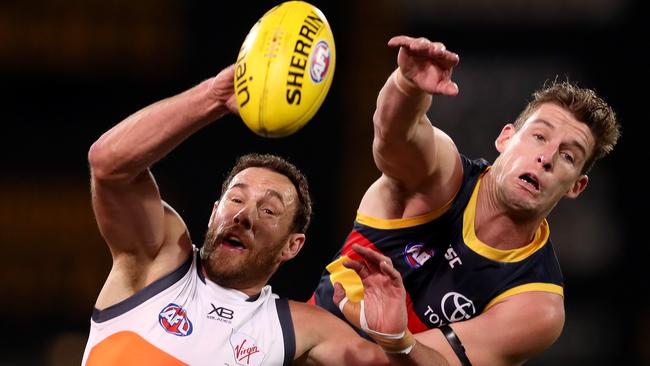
(223, 90)
(427, 65)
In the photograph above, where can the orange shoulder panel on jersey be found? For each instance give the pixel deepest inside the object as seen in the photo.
(129, 349)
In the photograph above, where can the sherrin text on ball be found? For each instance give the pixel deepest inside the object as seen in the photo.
(284, 69)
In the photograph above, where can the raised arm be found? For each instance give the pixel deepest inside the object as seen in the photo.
(146, 237)
(414, 156)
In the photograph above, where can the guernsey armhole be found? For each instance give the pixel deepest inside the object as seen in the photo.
(536, 286)
(402, 223)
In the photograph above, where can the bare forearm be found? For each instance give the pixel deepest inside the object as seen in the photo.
(404, 143)
(420, 355)
(145, 137)
(400, 106)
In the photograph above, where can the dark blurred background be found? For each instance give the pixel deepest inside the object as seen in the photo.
(69, 70)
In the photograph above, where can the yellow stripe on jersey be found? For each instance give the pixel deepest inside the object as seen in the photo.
(512, 255)
(536, 286)
(404, 222)
(348, 278)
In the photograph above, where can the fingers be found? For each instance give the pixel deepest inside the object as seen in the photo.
(435, 50)
(370, 255)
(372, 262)
(232, 104)
(228, 72)
(423, 47)
(351, 310)
(417, 45)
(449, 88)
(387, 268)
(353, 265)
(374, 259)
(447, 59)
(400, 41)
(339, 293)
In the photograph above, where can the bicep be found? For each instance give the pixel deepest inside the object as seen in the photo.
(130, 215)
(509, 333)
(406, 158)
(419, 176)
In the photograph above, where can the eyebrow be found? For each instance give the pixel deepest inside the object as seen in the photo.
(573, 142)
(269, 192)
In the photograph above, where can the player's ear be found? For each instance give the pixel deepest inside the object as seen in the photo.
(504, 137)
(578, 186)
(293, 246)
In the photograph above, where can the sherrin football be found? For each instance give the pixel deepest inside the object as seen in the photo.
(284, 69)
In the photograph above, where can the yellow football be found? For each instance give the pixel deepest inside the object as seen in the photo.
(284, 69)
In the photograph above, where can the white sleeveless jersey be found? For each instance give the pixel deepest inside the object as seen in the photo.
(184, 318)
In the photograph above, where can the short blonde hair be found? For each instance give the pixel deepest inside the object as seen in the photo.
(586, 107)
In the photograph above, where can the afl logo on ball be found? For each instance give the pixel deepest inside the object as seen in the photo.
(319, 62)
(174, 320)
(416, 254)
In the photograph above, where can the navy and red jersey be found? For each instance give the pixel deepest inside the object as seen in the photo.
(448, 273)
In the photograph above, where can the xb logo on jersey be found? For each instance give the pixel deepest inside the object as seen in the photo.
(221, 314)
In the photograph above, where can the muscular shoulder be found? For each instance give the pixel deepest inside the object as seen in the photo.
(527, 323)
(177, 237)
(134, 270)
(173, 251)
(391, 198)
(530, 323)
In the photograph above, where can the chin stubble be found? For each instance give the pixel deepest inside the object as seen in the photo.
(254, 267)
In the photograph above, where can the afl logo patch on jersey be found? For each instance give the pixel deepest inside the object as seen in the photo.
(319, 62)
(174, 320)
(415, 254)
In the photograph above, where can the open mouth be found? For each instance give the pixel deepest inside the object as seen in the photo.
(530, 180)
(233, 242)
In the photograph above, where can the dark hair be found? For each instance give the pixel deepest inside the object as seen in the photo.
(282, 166)
(586, 107)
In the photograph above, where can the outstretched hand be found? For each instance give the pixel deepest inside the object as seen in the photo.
(384, 294)
(223, 89)
(427, 65)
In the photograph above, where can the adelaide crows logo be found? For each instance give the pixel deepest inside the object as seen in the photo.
(174, 320)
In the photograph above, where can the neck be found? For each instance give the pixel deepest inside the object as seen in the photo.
(499, 226)
(249, 289)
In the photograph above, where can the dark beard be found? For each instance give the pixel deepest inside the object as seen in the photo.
(257, 266)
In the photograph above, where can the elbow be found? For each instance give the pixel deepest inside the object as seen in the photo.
(103, 162)
(548, 325)
(379, 125)
(99, 160)
(553, 321)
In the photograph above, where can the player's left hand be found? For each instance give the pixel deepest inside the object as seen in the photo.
(384, 296)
